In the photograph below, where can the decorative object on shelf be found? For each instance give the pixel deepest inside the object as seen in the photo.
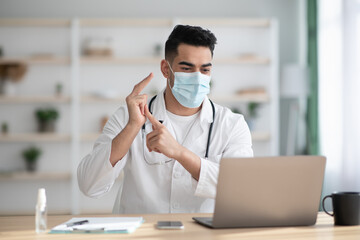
(13, 71)
(31, 155)
(58, 89)
(253, 58)
(252, 114)
(42, 56)
(98, 47)
(4, 128)
(252, 91)
(158, 48)
(103, 122)
(46, 119)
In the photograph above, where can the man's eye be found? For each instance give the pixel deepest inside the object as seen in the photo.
(185, 69)
(206, 70)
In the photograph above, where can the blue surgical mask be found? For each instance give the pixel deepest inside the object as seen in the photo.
(190, 89)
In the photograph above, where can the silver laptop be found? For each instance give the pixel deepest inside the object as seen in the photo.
(267, 192)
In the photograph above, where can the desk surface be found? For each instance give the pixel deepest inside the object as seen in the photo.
(22, 227)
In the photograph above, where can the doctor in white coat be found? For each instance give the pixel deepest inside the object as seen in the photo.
(170, 146)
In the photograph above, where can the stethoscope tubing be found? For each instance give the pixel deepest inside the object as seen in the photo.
(210, 128)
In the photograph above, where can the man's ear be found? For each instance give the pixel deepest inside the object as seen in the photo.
(165, 70)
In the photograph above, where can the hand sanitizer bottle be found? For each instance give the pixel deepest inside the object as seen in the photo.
(41, 212)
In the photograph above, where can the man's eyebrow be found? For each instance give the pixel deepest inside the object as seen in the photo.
(192, 65)
(186, 63)
(207, 65)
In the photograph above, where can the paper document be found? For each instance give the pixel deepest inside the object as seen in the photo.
(99, 225)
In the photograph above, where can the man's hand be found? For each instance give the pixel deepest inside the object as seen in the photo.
(136, 103)
(160, 140)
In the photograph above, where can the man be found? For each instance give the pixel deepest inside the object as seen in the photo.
(169, 147)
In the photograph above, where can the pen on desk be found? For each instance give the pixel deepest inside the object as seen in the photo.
(94, 230)
(76, 223)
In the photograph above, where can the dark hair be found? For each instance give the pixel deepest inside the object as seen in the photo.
(191, 35)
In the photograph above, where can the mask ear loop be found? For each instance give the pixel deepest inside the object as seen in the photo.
(172, 73)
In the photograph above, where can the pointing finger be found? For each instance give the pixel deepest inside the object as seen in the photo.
(156, 124)
(141, 85)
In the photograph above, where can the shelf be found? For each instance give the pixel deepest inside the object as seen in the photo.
(46, 60)
(94, 99)
(245, 98)
(34, 99)
(35, 22)
(227, 22)
(89, 137)
(115, 60)
(34, 176)
(243, 60)
(34, 137)
(260, 136)
(126, 22)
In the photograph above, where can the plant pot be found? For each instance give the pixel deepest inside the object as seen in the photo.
(31, 166)
(46, 126)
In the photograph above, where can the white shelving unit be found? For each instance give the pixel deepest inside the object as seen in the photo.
(85, 74)
(33, 99)
(28, 176)
(34, 137)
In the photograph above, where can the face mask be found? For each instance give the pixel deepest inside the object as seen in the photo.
(190, 89)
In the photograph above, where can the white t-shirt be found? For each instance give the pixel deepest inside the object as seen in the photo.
(182, 125)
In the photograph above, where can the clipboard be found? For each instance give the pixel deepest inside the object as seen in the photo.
(99, 225)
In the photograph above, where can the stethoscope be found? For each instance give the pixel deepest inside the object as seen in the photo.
(210, 128)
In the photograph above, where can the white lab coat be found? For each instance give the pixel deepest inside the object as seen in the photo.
(167, 188)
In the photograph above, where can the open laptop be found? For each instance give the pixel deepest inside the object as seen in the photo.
(267, 192)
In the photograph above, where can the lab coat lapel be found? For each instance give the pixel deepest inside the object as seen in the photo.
(199, 132)
(159, 112)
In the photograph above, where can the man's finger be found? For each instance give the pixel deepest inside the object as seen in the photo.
(141, 85)
(156, 124)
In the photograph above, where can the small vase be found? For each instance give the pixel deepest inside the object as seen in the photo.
(46, 126)
(31, 166)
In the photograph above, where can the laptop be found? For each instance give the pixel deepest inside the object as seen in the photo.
(267, 192)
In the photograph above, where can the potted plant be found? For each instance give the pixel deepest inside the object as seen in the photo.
(252, 110)
(31, 156)
(46, 119)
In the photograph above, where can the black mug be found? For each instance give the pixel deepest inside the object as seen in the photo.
(346, 208)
